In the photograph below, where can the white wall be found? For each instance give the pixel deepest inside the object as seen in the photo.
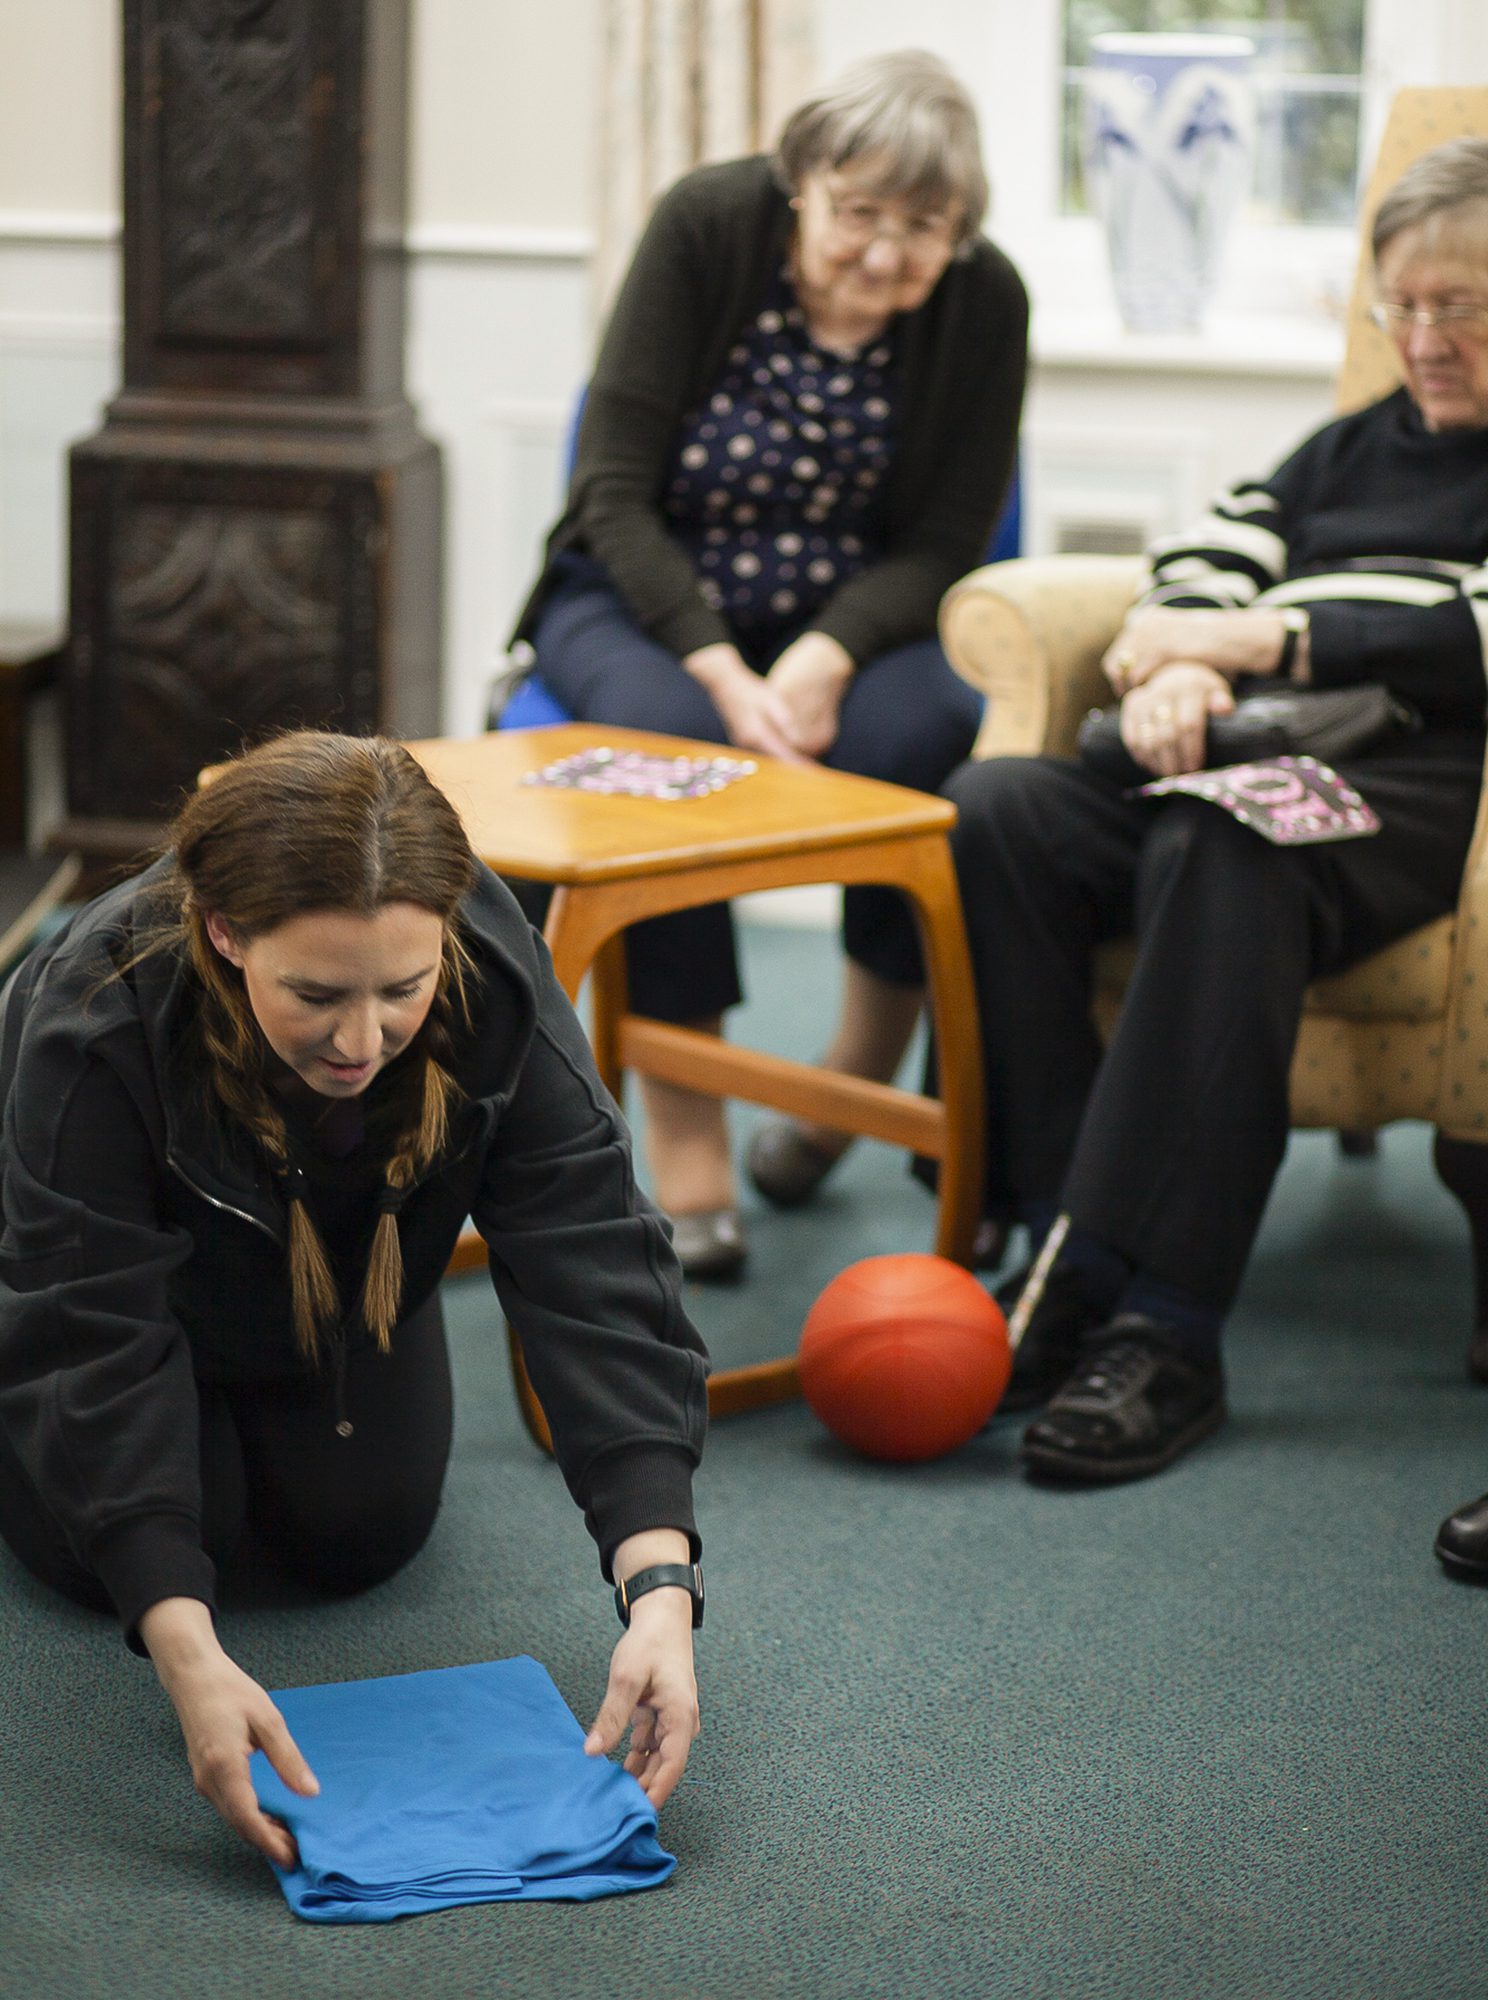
(503, 122)
(502, 100)
(502, 163)
(59, 201)
(59, 116)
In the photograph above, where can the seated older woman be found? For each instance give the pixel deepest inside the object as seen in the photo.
(799, 431)
(1144, 1167)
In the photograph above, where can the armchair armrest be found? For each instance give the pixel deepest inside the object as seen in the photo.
(1029, 634)
(1463, 1109)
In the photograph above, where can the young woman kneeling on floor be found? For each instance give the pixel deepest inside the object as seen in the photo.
(251, 1096)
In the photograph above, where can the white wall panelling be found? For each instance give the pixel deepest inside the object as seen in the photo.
(1109, 490)
(51, 388)
(59, 335)
(1147, 445)
(499, 345)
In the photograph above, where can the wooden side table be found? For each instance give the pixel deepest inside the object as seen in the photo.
(613, 860)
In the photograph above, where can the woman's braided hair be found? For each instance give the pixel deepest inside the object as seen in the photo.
(313, 821)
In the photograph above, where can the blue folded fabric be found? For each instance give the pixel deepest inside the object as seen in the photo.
(461, 1785)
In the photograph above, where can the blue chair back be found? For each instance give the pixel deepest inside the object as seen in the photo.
(1007, 536)
(531, 706)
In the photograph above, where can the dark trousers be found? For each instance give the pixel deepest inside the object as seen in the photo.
(1165, 1144)
(906, 718)
(340, 1513)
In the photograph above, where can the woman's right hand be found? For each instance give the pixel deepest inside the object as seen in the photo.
(755, 714)
(225, 1716)
(1164, 721)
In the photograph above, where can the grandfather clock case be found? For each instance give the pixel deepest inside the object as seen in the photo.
(255, 530)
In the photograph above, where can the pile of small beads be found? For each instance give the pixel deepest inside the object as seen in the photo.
(637, 775)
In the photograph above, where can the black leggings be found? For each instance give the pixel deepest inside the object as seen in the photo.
(339, 1513)
(1164, 1143)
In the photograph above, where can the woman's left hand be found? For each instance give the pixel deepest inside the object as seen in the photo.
(810, 677)
(652, 1689)
(1163, 722)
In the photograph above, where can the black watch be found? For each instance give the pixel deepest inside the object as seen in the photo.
(663, 1576)
(1297, 622)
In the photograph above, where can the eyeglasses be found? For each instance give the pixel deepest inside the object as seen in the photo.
(1456, 322)
(924, 239)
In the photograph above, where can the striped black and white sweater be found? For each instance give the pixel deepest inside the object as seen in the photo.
(1379, 528)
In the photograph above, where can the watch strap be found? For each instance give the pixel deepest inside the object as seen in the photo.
(662, 1576)
(1296, 622)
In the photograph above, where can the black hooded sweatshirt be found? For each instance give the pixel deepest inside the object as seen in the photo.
(144, 1244)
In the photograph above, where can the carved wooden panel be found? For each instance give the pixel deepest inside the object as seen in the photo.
(221, 622)
(210, 612)
(238, 201)
(250, 173)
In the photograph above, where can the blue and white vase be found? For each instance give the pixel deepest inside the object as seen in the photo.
(1169, 121)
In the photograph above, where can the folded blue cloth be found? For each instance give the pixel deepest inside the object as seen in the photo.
(462, 1785)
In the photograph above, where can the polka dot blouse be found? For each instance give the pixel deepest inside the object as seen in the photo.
(777, 479)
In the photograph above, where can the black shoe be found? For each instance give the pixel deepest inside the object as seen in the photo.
(785, 1165)
(1462, 1542)
(1050, 1346)
(1477, 1356)
(710, 1244)
(1134, 1402)
(989, 1245)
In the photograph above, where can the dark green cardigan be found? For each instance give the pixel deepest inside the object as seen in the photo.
(709, 252)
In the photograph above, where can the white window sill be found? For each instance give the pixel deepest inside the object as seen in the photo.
(1230, 343)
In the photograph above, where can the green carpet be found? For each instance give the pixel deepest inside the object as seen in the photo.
(1214, 1734)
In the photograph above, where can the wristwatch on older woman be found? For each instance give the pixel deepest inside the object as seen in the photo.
(1296, 621)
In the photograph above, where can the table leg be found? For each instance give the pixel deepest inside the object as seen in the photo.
(932, 888)
(609, 1001)
(533, 1415)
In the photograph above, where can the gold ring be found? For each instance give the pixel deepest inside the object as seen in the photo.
(1125, 662)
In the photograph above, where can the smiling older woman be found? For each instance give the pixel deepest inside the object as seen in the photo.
(800, 429)
(1144, 1166)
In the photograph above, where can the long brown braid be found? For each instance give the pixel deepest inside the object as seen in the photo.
(307, 822)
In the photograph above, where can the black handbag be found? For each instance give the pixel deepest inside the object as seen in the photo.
(1267, 721)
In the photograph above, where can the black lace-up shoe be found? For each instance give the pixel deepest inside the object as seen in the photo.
(1050, 1346)
(1134, 1402)
(1462, 1541)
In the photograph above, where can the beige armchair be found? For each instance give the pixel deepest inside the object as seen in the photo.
(1403, 1035)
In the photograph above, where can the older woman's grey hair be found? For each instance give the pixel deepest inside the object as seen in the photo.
(906, 111)
(1447, 177)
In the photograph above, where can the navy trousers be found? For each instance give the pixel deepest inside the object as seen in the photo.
(1164, 1144)
(906, 718)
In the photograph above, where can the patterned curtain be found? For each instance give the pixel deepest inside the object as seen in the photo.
(683, 81)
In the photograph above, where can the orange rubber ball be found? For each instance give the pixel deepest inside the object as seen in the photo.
(904, 1357)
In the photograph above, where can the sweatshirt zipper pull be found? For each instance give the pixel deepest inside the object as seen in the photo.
(344, 1425)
